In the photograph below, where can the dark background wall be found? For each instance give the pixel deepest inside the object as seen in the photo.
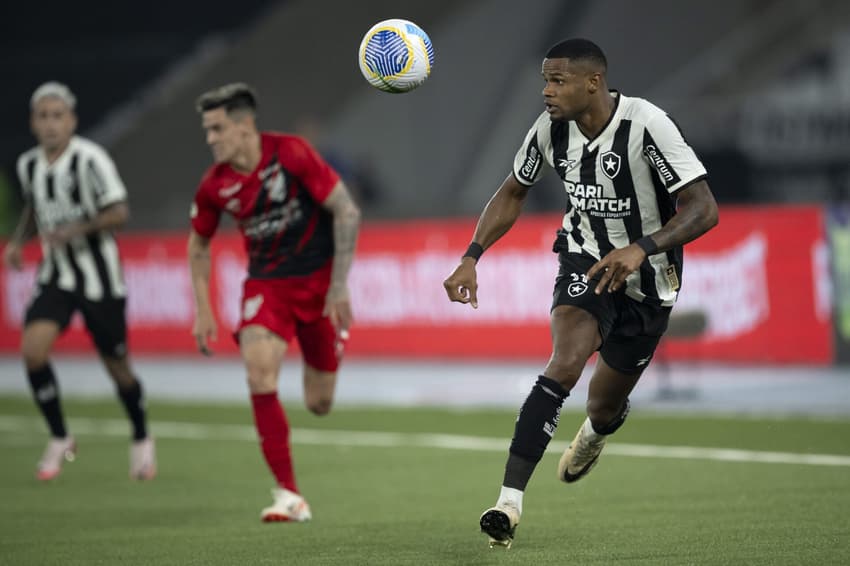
(760, 87)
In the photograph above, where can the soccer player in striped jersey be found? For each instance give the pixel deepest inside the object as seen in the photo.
(636, 193)
(299, 225)
(75, 200)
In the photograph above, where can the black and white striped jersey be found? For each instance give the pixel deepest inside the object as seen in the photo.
(75, 187)
(619, 186)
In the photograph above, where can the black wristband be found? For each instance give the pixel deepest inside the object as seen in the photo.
(474, 251)
(648, 245)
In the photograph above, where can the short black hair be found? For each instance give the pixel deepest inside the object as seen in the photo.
(578, 49)
(233, 96)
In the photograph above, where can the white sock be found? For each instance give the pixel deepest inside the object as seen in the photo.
(510, 496)
(590, 434)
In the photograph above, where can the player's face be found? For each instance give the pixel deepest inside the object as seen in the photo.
(226, 135)
(569, 88)
(53, 123)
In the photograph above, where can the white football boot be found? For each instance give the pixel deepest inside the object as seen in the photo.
(143, 459)
(288, 506)
(58, 451)
(499, 523)
(581, 455)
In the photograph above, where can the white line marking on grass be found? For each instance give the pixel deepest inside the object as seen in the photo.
(199, 431)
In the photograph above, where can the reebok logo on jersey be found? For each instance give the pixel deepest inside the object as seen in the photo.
(661, 165)
(228, 192)
(590, 199)
(567, 164)
(610, 162)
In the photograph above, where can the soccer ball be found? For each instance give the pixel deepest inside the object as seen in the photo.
(396, 56)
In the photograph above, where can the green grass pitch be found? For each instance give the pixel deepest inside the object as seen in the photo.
(403, 497)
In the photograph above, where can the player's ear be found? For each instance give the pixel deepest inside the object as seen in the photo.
(593, 82)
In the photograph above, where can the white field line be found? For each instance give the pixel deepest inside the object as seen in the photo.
(198, 431)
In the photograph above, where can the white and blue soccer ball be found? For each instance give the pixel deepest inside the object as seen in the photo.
(396, 56)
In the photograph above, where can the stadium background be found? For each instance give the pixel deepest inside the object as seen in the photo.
(737, 451)
(761, 89)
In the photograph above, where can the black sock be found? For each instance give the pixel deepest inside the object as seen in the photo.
(134, 403)
(535, 427)
(517, 472)
(45, 392)
(618, 421)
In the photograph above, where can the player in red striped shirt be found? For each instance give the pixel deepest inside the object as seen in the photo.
(299, 225)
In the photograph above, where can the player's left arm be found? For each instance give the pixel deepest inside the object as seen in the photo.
(696, 214)
(346, 226)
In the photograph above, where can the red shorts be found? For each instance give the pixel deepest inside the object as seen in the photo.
(292, 307)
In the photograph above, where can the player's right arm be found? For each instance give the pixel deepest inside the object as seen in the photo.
(205, 215)
(204, 329)
(498, 216)
(504, 208)
(26, 229)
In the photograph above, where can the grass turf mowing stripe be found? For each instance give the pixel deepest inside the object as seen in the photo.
(199, 431)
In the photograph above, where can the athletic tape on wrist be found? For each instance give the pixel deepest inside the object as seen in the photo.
(647, 244)
(474, 251)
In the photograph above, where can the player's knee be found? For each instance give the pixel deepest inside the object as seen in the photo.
(565, 369)
(607, 415)
(261, 381)
(34, 354)
(320, 406)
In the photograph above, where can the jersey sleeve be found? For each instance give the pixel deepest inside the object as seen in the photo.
(204, 214)
(25, 177)
(674, 161)
(530, 158)
(318, 177)
(104, 179)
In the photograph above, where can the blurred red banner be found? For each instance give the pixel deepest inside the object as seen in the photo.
(761, 278)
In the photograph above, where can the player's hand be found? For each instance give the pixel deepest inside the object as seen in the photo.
(13, 256)
(462, 285)
(616, 266)
(205, 331)
(338, 310)
(64, 233)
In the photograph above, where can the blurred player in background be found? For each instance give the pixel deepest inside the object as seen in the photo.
(299, 225)
(74, 199)
(636, 192)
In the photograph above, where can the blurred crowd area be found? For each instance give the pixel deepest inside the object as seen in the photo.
(761, 88)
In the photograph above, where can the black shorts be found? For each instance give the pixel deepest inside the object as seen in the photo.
(630, 330)
(105, 319)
